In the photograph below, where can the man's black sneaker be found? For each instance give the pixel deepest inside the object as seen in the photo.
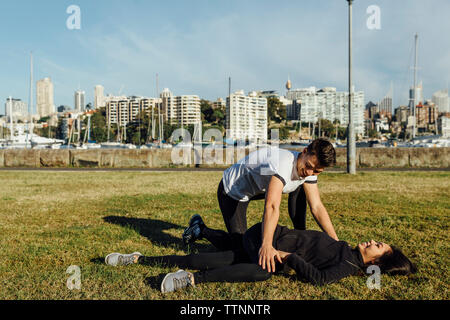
(194, 231)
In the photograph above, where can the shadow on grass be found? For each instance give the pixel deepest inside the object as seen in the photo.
(98, 260)
(155, 281)
(153, 231)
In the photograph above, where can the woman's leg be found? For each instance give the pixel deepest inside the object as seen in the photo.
(242, 272)
(297, 208)
(216, 266)
(200, 261)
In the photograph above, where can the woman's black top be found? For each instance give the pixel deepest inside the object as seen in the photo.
(316, 257)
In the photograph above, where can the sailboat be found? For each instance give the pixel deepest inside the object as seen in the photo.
(160, 144)
(22, 137)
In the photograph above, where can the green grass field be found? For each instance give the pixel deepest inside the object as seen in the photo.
(52, 220)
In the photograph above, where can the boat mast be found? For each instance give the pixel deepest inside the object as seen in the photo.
(30, 105)
(415, 86)
(10, 119)
(160, 124)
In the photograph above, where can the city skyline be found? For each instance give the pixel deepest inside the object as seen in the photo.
(195, 54)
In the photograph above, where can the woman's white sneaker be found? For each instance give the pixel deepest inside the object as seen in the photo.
(177, 280)
(119, 259)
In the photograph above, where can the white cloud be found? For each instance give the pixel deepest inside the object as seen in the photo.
(259, 49)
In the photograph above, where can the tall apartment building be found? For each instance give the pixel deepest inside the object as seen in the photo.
(154, 105)
(386, 105)
(182, 110)
(415, 97)
(440, 99)
(117, 110)
(246, 117)
(310, 104)
(44, 97)
(16, 107)
(402, 114)
(304, 105)
(123, 110)
(443, 126)
(79, 104)
(219, 104)
(426, 116)
(99, 96)
(187, 110)
(168, 104)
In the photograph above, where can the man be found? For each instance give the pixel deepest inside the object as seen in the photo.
(267, 174)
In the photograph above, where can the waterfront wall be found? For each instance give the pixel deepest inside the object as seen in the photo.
(167, 158)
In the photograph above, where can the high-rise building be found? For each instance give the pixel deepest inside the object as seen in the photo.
(123, 110)
(426, 116)
(219, 104)
(246, 117)
(444, 126)
(182, 110)
(440, 99)
(385, 105)
(310, 104)
(415, 97)
(99, 96)
(304, 106)
(44, 97)
(168, 104)
(401, 114)
(187, 110)
(79, 101)
(16, 107)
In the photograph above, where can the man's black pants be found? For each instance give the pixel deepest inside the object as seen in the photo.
(235, 215)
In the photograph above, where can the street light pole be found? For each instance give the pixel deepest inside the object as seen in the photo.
(351, 145)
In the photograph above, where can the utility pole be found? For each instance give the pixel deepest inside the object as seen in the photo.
(351, 145)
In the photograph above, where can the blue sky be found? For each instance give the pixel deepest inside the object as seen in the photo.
(195, 45)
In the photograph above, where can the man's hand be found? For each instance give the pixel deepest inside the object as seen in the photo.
(284, 255)
(267, 255)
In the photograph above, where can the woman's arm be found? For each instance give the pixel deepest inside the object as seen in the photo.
(308, 272)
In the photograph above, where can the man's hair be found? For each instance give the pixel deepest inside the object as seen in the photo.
(324, 151)
(396, 262)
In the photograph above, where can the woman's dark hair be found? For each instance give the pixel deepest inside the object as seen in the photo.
(324, 151)
(396, 262)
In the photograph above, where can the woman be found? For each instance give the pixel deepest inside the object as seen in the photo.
(316, 257)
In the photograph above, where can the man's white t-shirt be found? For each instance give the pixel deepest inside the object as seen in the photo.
(251, 175)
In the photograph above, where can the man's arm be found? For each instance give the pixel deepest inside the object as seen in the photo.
(267, 252)
(318, 210)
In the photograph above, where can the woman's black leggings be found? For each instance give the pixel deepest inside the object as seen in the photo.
(224, 266)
